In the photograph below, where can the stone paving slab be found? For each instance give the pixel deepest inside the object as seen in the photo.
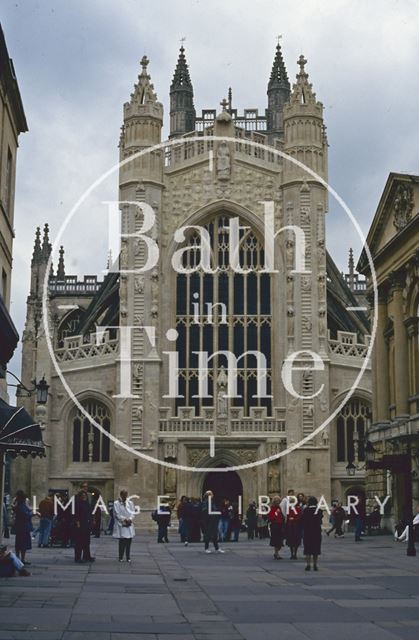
(169, 592)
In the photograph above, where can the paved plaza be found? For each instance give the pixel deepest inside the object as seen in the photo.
(171, 592)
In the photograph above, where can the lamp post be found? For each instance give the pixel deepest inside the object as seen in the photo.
(40, 388)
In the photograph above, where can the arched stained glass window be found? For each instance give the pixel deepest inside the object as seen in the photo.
(224, 311)
(90, 444)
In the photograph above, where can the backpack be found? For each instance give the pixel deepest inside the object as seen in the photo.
(154, 515)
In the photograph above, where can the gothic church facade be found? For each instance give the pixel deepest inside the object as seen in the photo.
(218, 167)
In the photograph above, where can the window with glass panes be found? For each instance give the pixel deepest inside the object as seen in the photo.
(85, 433)
(243, 324)
(353, 416)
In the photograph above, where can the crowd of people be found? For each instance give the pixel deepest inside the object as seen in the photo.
(291, 521)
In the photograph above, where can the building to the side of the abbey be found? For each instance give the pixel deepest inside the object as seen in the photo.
(207, 182)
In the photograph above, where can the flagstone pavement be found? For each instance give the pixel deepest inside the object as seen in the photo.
(368, 590)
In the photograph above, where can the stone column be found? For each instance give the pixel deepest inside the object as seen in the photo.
(401, 363)
(381, 361)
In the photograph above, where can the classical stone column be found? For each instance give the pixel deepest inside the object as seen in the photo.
(401, 363)
(381, 361)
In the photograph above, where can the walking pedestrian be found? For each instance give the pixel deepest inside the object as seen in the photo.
(276, 520)
(82, 528)
(46, 516)
(251, 520)
(224, 521)
(338, 514)
(312, 532)
(123, 513)
(163, 517)
(210, 519)
(23, 526)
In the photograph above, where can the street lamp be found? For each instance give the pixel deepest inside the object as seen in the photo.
(40, 388)
(42, 391)
(351, 469)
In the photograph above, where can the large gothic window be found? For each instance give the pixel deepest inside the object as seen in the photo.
(69, 326)
(225, 311)
(354, 416)
(90, 444)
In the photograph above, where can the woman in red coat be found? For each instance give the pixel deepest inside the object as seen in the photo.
(276, 521)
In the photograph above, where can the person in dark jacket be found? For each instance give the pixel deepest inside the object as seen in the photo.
(163, 517)
(195, 520)
(276, 522)
(311, 521)
(338, 514)
(183, 516)
(210, 519)
(251, 520)
(96, 514)
(23, 526)
(293, 530)
(82, 528)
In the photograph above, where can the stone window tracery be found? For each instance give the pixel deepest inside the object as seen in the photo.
(88, 443)
(353, 416)
(239, 319)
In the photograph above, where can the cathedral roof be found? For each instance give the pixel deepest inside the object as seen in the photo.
(339, 298)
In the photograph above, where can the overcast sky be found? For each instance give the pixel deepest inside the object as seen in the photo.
(76, 62)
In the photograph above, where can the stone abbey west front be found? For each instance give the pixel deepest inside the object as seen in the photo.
(206, 182)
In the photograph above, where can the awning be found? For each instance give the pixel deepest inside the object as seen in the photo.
(9, 337)
(20, 435)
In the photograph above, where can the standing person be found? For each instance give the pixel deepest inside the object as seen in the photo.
(195, 520)
(276, 520)
(293, 530)
(23, 526)
(338, 514)
(46, 516)
(163, 517)
(286, 503)
(96, 516)
(235, 522)
(123, 513)
(251, 520)
(262, 526)
(210, 522)
(182, 516)
(312, 532)
(301, 500)
(224, 521)
(82, 528)
(65, 522)
(359, 519)
(109, 530)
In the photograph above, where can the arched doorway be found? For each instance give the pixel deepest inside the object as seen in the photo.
(223, 484)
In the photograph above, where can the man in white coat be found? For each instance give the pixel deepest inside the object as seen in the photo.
(124, 512)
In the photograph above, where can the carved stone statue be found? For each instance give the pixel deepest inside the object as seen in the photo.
(170, 480)
(222, 402)
(223, 161)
